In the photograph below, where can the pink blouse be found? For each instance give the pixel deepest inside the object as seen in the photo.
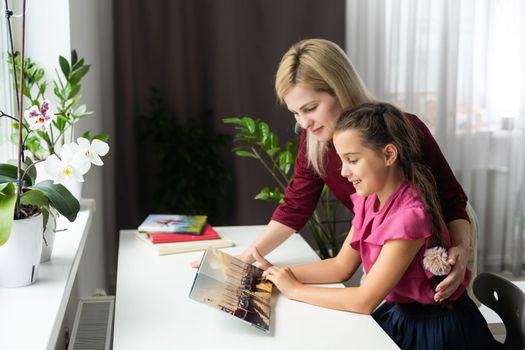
(402, 217)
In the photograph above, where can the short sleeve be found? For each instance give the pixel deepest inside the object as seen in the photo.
(409, 224)
(359, 210)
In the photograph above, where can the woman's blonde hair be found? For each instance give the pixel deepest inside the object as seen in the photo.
(322, 65)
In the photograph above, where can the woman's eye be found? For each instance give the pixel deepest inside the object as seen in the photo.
(310, 109)
(351, 161)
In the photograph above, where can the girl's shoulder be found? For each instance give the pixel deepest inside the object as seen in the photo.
(403, 217)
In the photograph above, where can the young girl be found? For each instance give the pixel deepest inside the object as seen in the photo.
(397, 218)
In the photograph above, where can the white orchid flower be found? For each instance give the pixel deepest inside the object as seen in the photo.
(92, 151)
(39, 118)
(70, 165)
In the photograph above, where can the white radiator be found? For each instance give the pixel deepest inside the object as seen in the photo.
(92, 329)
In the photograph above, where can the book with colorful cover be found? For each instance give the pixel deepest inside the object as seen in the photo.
(228, 284)
(208, 233)
(182, 247)
(187, 224)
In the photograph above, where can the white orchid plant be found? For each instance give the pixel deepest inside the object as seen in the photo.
(20, 195)
(70, 163)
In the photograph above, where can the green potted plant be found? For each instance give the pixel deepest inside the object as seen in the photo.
(41, 143)
(25, 204)
(257, 141)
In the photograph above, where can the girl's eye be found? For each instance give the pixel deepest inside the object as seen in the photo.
(351, 161)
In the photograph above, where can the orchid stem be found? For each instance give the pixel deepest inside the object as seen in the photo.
(20, 108)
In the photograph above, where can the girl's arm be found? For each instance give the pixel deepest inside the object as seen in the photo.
(337, 269)
(393, 261)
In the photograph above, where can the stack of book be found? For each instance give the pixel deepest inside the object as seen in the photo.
(169, 234)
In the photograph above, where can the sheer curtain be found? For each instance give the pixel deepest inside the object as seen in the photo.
(7, 94)
(458, 65)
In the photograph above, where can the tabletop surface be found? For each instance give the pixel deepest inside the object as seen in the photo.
(153, 310)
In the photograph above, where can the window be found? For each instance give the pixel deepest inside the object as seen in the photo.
(7, 95)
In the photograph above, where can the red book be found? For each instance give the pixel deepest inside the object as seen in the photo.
(207, 233)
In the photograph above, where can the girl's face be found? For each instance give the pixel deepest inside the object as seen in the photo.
(367, 169)
(315, 111)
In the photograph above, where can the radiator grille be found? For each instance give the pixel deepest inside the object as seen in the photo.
(92, 329)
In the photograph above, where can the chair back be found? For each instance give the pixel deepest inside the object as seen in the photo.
(508, 301)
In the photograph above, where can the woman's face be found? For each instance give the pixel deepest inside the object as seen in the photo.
(315, 111)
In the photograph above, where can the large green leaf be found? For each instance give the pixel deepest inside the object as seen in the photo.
(60, 198)
(34, 197)
(8, 173)
(7, 210)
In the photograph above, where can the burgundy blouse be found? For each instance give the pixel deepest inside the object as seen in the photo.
(303, 191)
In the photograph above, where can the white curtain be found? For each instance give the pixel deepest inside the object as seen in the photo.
(7, 93)
(460, 66)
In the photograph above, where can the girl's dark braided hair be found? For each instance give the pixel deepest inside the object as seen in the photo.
(381, 124)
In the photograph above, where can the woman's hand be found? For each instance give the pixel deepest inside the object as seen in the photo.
(458, 258)
(263, 263)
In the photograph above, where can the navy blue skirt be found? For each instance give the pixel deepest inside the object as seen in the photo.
(451, 325)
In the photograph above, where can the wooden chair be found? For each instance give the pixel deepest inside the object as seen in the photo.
(508, 301)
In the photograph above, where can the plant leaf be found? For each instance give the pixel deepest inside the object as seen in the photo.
(34, 197)
(74, 91)
(264, 132)
(101, 137)
(77, 74)
(60, 198)
(64, 65)
(7, 210)
(74, 57)
(236, 121)
(9, 172)
(249, 124)
(246, 154)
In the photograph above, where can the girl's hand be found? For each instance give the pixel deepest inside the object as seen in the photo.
(284, 279)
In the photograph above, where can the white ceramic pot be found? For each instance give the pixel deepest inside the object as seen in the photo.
(20, 255)
(48, 240)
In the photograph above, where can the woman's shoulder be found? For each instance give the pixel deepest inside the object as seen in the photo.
(420, 126)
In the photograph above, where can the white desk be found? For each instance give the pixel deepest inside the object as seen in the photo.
(30, 317)
(153, 310)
